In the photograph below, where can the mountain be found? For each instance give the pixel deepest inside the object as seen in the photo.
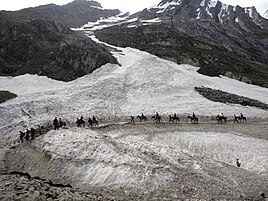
(39, 40)
(221, 39)
(247, 18)
(74, 14)
(141, 161)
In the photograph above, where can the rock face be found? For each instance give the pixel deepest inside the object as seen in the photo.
(6, 95)
(74, 14)
(224, 97)
(221, 39)
(47, 48)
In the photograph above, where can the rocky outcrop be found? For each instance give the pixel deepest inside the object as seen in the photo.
(47, 48)
(6, 95)
(223, 40)
(74, 14)
(224, 97)
(211, 53)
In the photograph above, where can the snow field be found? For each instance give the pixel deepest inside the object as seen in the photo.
(133, 159)
(143, 83)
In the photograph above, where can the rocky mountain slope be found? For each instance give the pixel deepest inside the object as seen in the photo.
(74, 14)
(221, 39)
(29, 44)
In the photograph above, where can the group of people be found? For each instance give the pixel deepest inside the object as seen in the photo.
(81, 122)
(31, 133)
(58, 123)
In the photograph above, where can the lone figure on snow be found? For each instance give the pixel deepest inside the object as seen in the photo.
(238, 164)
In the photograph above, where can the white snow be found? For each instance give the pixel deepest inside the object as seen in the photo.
(249, 11)
(146, 82)
(167, 5)
(142, 83)
(27, 84)
(222, 13)
(126, 158)
(198, 14)
(152, 20)
(212, 4)
(236, 20)
(202, 4)
(106, 22)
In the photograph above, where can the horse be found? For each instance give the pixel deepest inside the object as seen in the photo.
(92, 122)
(236, 118)
(172, 119)
(242, 119)
(80, 122)
(142, 117)
(157, 119)
(221, 119)
(194, 119)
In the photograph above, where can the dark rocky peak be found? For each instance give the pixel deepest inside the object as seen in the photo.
(84, 3)
(246, 18)
(74, 14)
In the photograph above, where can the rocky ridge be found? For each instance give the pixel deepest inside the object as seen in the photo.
(47, 48)
(73, 14)
(232, 44)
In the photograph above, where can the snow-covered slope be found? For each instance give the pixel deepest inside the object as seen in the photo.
(209, 10)
(143, 83)
(144, 157)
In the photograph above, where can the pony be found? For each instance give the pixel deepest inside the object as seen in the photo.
(194, 119)
(157, 119)
(93, 121)
(142, 117)
(239, 119)
(172, 119)
(80, 122)
(221, 119)
(236, 119)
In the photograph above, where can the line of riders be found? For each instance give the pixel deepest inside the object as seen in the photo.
(158, 119)
(237, 119)
(194, 119)
(31, 133)
(81, 122)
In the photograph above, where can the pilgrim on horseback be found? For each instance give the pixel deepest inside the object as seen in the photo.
(194, 119)
(240, 119)
(174, 118)
(80, 122)
(157, 118)
(142, 117)
(221, 118)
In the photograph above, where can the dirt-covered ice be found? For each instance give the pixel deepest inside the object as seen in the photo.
(180, 160)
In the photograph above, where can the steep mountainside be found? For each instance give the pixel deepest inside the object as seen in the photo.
(221, 39)
(46, 48)
(74, 14)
